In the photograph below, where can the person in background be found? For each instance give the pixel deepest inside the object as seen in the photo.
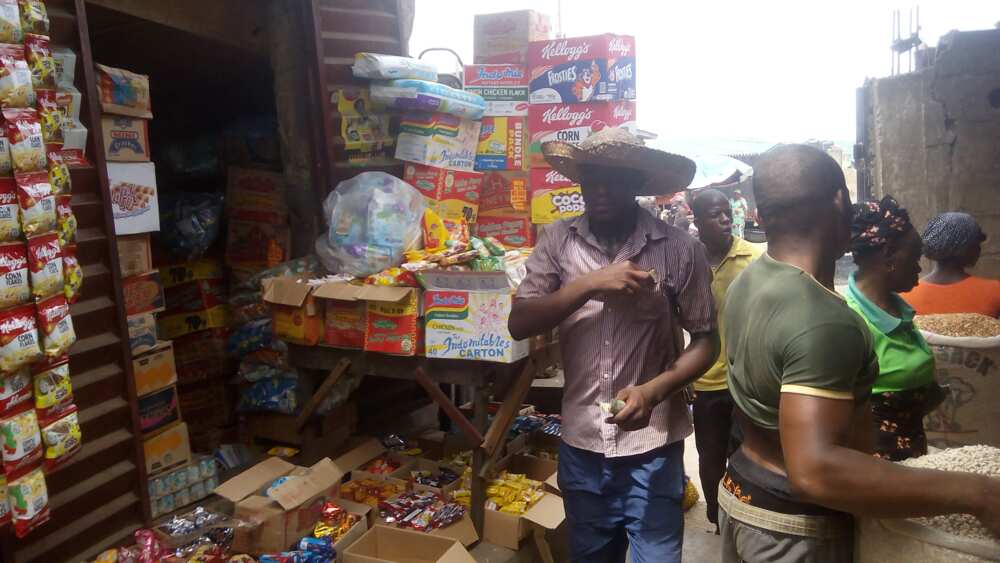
(621, 285)
(801, 370)
(740, 209)
(954, 242)
(886, 249)
(728, 255)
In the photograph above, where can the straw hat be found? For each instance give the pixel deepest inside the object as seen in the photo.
(665, 173)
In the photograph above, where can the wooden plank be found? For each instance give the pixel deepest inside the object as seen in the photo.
(508, 410)
(447, 406)
(324, 389)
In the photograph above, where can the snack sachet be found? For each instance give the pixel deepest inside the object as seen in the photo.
(24, 133)
(45, 264)
(29, 502)
(72, 274)
(22, 443)
(14, 286)
(18, 338)
(55, 326)
(36, 203)
(16, 90)
(53, 389)
(40, 61)
(65, 220)
(62, 440)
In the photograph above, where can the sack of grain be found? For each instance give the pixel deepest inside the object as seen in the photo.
(967, 350)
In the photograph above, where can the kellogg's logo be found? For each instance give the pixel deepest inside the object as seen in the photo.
(557, 114)
(16, 324)
(48, 251)
(563, 49)
(622, 112)
(553, 177)
(13, 261)
(618, 46)
(54, 313)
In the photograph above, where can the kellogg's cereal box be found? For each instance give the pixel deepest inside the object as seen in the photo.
(573, 123)
(554, 197)
(503, 37)
(504, 193)
(133, 197)
(582, 69)
(512, 231)
(504, 87)
(471, 325)
(502, 144)
(438, 139)
(452, 194)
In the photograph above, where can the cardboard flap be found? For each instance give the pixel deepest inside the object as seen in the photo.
(256, 509)
(320, 477)
(286, 291)
(355, 458)
(463, 531)
(494, 282)
(548, 512)
(456, 554)
(553, 481)
(384, 293)
(342, 291)
(253, 479)
(354, 507)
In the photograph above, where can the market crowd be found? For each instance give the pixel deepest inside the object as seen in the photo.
(802, 397)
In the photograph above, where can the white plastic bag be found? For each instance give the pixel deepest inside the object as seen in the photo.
(388, 67)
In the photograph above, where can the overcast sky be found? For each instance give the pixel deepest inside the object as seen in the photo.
(718, 76)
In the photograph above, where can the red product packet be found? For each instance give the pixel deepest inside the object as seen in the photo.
(59, 176)
(65, 220)
(50, 116)
(22, 443)
(55, 326)
(40, 61)
(53, 389)
(45, 265)
(16, 90)
(10, 211)
(15, 391)
(29, 502)
(14, 286)
(72, 274)
(18, 338)
(24, 133)
(38, 207)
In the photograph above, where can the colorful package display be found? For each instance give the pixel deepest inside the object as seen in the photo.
(65, 68)
(389, 67)
(45, 265)
(126, 139)
(10, 25)
(471, 325)
(50, 116)
(15, 390)
(426, 96)
(22, 443)
(438, 139)
(143, 294)
(577, 70)
(15, 78)
(24, 133)
(38, 206)
(452, 194)
(133, 197)
(504, 88)
(10, 214)
(123, 93)
(65, 220)
(159, 409)
(6, 162)
(512, 232)
(40, 61)
(502, 143)
(367, 133)
(59, 177)
(504, 37)
(142, 332)
(55, 326)
(62, 440)
(14, 286)
(53, 389)
(34, 17)
(554, 197)
(256, 195)
(29, 502)
(18, 338)
(504, 193)
(72, 274)
(344, 324)
(573, 123)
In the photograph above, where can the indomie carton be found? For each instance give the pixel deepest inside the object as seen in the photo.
(582, 69)
(438, 139)
(504, 87)
(554, 197)
(573, 123)
(471, 325)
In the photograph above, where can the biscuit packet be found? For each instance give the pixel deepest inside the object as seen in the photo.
(72, 274)
(38, 206)
(29, 502)
(10, 211)
(40, 61)
(18, 338)
(59, 177)
(14, 287)
(22, 443)
(50, 116)
(10, 22)
(34, 17)
(15, 390)
(55, 326)
(6, 162)
(53, 389)
(16, 90)
(65, 220)
(24, 133)
(45, 265)
(62, 439)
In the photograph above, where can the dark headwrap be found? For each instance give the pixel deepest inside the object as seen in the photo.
(874, 224)
(949, 234)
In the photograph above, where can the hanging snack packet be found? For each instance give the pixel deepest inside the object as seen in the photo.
(55, 325)
(10, 22)
(34, 17)
(38, 207)
(435, 235)
(22, 443)
(10, 212)
(50, 116)
(53, 389)
(15, 390)
(45, 265)
(15, 78)
(40, 61)
(18, 338)
(62, 439)
(14, 287)
(25, 136)
(6, 162)
(59, 177)
(4, 502)
(29, 502)
(72, 274)
(65, 220)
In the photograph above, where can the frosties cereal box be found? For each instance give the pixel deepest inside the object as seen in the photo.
(582, 69)
(504, 87)
(452, 194)
(573, 123)
(438, 139)
(503, 142)
(471, 325)
(504, 193)
(514, 231)
(553, 197)
(504, 37)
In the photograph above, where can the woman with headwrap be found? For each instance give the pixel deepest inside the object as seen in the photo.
(886, 250)
(954, 242)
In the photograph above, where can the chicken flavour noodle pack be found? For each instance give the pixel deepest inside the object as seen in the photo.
(62, 439)
(59, 177)
(15, 390)
(14, 286)
(40, 61)
(55, 326)
(72, 274)
(38, 206)
(50, 116)
(15, 78)
(65, 220)
(22, 443)
(45, 265)
(24, 133)
(53, 389)
(10, 22)
(34, 17)
(29, 502)
(18, 338)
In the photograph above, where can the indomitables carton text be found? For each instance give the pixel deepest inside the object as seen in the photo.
(573, 123)
(553, 197)
(582, 69)
(504, 87)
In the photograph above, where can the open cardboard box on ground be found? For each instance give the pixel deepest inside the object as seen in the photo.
(421, 464)
(382, 544)
(356, 461)
(507, 530)
(388, 323)
(463, 531)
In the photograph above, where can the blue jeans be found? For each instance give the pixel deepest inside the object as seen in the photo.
(612, 503)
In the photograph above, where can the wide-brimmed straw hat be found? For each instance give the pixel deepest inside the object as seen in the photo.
(665, 173)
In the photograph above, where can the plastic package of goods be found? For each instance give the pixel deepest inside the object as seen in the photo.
(38, 206)
(72, 274)
(65, 66)
(65, 220)
(69, 100)
(6, 162)
(372, 220)
(390, 67)
(191, 223)
(15, 390)
(249, 338)
(62, 439)
(22, 443)
(50, 116)
(14, 286)
(421, 95)
(15, 78)
(123, 92)
(24, 133)
(45, 264)
(4, 502)
(10, 22)
(34, 17)
(272, 395)
(53, 389)
(40, 61)
(29, 502)
(59, 177)
(10, 214)
(55, 326)
(18, 338)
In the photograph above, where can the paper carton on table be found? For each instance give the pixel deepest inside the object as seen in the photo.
(345, 316)
(554, 197)
(382, 544)
(573, 123)
(133, 197)
(438, 139)
(511, 230)
(582, 69)
(392, 324)
(154, 370)
(295, 315)
(452, 194)
(503, 86)
(167, 449)
(504, 192)
(471, 325)
(504, 37)
(502, 144)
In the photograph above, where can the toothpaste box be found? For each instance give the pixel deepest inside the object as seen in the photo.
(504, 87)
(504, 193)
(514, 231)
(452, 194)
(504, 37)
(502, 143)
(438, 139)
(553, 197)
(582, 69)
(471, 325)
(573, 123)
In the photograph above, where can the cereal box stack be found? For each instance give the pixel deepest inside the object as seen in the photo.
(39, 274)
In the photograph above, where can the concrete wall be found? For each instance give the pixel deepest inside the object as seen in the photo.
(936, 136)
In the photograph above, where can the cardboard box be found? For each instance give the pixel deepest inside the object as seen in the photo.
(142, 332)
(143, 294)
(74, 134)
(204, 269)
(452, 194)
(502, 144)
(554, 197)
(438, 139)
(392, 325)
(168, 449)
(202, 355)
(504, 37)
(599, 68)
(69, 99)
(135, 256)
(434, 468)
(158, 410)
(504, 193)
(503, 86)
(256, 196)
(471, 325)
(154, 370)
(345, 316)
(382, 544)
(295, 315)
(358, 459)
(126, 139)
(254, 245)
(290, 510)
(507, 530)
(196, 295)
(134, 197)
(512, 231)
(180, 324)
(573, 123)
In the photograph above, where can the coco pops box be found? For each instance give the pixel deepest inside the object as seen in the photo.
(582, 69)
(554, 197)
(573, 123)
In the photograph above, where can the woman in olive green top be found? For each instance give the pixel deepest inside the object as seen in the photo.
(886, 249)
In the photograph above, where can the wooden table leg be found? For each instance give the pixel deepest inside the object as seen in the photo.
(495, 436)
(324, 389)
(472, 432)
(480, 401)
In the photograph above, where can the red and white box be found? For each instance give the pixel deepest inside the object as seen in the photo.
(452, 194)
(504, 193)
(573, 123)
(512, 231)
(503, 86)
(554, 197)
(582, 69)
(504, 37)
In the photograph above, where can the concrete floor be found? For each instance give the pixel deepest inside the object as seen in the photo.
(701, 545)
